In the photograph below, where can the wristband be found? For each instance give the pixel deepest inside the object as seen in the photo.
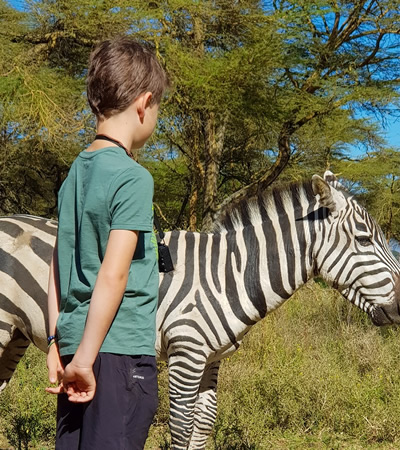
(51, 338)
(51, 343)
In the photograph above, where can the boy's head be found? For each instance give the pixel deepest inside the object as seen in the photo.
(120, 70)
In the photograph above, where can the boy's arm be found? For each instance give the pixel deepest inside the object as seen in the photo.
(53, 301)
(109, 289)
(53, 296)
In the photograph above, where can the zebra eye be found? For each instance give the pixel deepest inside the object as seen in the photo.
(363, 240)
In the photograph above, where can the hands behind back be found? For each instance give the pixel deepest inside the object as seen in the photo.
(76, 381)
(79, 383)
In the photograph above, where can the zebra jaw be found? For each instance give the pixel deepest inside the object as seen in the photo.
(388, 314)
(380, 314)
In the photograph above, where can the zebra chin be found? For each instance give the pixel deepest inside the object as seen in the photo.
(386, 315)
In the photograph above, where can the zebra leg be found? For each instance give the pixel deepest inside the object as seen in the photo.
(185, 374)
(206, 407)
(13, 345)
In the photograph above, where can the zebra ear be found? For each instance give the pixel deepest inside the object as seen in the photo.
(328, 196)
(331, 179)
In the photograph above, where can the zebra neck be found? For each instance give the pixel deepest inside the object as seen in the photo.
(272, 264)
(251, 270)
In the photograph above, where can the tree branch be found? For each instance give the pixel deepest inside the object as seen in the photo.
(370, 57)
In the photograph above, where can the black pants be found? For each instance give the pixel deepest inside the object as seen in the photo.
(121, 412)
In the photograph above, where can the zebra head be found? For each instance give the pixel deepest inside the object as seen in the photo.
(352, 253)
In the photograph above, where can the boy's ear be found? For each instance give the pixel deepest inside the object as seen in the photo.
(143, 102)
(149, 97)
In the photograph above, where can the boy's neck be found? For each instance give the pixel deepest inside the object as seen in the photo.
(103, 137)
(120, 127)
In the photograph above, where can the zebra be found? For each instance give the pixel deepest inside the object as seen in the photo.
(260, 252)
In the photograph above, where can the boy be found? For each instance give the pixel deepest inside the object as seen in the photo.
(103, 283)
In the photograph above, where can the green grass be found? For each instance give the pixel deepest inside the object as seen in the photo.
(27, 412)
(314, 374)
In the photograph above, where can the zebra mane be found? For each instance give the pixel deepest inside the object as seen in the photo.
(248, 210)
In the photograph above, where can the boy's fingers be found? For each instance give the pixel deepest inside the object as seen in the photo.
(55, 390)
(55, 373)
(54, 365)
(78, 393)
(52, 378)
(81, 397)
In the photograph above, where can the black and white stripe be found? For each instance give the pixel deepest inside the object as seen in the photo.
(262, 250)
(26, 244)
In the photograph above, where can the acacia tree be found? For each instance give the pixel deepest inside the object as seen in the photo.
(323, 144)
(41, 115)
(336, 56)
(217, 63)
(324, 62)
(252, 84)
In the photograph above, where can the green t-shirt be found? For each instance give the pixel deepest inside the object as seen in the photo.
(106, 190)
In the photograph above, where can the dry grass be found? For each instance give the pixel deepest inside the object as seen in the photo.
(316, 374)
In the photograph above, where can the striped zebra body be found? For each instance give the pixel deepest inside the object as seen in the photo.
(26, 245)
(223, 283)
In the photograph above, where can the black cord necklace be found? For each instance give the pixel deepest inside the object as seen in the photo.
(104, 137)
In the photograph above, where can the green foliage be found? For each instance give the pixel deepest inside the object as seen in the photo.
(259, 92)
(171, 190)
(218, 69)
(42, 114)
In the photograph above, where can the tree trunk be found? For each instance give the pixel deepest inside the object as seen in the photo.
(269, 176)
(213, 143)
(197, 173)
(193, 201)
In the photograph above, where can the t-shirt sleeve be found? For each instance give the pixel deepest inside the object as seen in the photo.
(131, 200)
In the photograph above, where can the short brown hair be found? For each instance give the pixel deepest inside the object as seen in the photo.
(120, 70)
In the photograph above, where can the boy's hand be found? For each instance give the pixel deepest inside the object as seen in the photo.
(79, 383)
(54, 364)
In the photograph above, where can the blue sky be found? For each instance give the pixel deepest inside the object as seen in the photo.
(393, 133)
(18, 4)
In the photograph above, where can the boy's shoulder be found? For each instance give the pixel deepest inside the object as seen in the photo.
(109, 167)
(118, 169)
(110, 159)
